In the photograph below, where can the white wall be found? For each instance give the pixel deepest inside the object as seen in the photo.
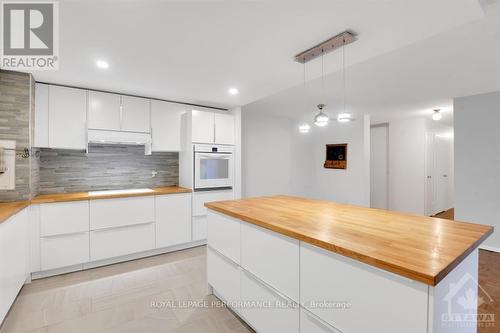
(277, 159)
(274, 158)
(407, 165)
(352, 185)
(477, 162)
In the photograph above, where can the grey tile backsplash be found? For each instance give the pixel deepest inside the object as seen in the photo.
(105, 167)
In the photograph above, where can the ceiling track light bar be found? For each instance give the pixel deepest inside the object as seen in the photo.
(327, 46)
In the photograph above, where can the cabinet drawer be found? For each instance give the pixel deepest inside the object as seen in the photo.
(272, 257)
(109, 243)
(64, 218)
(199, 199)
(223, 234)
(370, 293)
(310, 323)
(173, 219)
(109, 213)
(269, 312)
(64, 250)
(224, 277)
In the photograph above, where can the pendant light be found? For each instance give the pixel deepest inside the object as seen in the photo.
(344, 116)
(321, 119)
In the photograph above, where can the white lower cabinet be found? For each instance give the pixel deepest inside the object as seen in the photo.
(115, 242)
(224, 277)
(199, 221)
(199, 227)
(266, 310)
(109, 213)
(369, 294)
(13, 259)
(224, 235)
(310, 323)
(272, 257)
(64, 250)
(173, 219)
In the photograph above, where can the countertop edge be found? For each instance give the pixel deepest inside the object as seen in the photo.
(431, 280)
(17, 206)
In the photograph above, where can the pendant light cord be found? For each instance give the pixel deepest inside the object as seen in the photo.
(343, 74)
(322, 75)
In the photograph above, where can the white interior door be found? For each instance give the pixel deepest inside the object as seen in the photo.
(379, 195)
(430, 182)
(444, 176)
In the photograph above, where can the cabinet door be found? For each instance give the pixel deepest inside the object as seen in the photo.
(64, 218)
(202, 130)
(224, 276)
(224, 235)
(166, 125)
(111, 213)
(64, 250)
(67, 118)
(173, 219)
(224, 128)
(104, 111)
(135, 114)
(13, 259)
(41, 139)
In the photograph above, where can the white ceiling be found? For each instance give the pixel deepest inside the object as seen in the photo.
(406, 82)
(193, 51)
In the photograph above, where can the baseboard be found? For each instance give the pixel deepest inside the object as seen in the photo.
(490, 248)
(105, 262)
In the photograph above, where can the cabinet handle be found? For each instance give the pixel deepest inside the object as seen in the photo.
(121, 227)
(321, 322)
(268, 287)
(66, 234)
(229, 261)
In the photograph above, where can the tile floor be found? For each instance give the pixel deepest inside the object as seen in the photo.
(135, 296)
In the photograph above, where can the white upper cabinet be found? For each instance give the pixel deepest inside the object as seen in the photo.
(41, 138)
(67, 118)
(166, 125)
(202, 129)
(224, 128)
(104, 111)
(212, 127)
(135, 114)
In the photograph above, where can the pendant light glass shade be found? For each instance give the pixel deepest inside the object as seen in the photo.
(321, 119)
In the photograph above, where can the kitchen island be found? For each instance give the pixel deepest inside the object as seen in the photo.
(289, 264)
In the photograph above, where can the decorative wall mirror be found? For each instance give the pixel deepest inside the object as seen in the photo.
(336, 156)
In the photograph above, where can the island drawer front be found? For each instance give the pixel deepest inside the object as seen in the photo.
(272, 257)
(199, 199)
(310, 323)
(115, 242)
(369, 294)
(64, 250)
(224, 277)
(109, 213)
(64, 218)
(223, 234)
(282, 317)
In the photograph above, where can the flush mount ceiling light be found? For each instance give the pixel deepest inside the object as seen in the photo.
(102, 64)
(233, 91)
(304, 128)
(437, 115)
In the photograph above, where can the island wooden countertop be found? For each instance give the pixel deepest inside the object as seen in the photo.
(8, 209)
(421, 248)
(79, 196)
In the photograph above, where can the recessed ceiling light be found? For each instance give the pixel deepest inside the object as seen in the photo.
(233, 91)
(102, 64)
(304, 128)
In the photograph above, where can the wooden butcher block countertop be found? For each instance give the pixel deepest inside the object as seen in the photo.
(79, 196)
(421, 248)
(8, 209)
